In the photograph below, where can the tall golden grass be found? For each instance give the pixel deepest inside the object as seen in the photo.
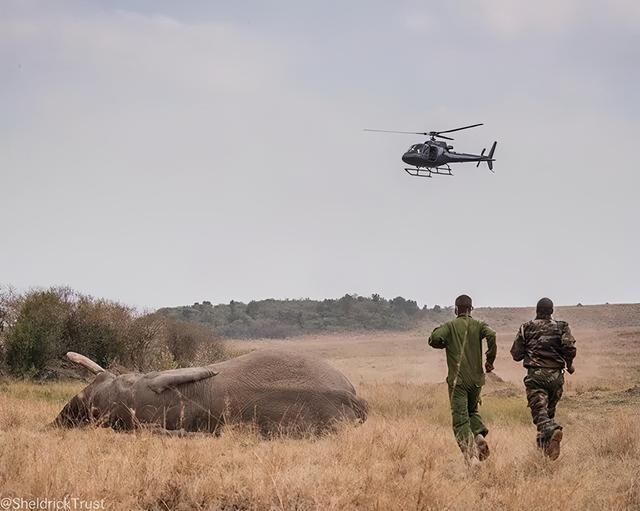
(403, 457)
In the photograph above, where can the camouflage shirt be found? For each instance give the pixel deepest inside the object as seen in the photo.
(544, 342)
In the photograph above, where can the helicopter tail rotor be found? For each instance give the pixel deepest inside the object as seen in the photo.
(489, 157)
(490, 160)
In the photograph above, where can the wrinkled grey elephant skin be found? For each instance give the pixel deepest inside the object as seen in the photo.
(275, 390)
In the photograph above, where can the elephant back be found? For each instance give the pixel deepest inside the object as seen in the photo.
(282, 369)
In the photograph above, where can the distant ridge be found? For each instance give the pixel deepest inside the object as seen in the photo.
(285, 318)
(579, 316)
(273, 318)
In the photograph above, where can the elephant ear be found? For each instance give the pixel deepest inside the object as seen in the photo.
(159, 382)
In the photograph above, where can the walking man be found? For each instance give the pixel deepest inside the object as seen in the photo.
(462, 340)
(546, 346)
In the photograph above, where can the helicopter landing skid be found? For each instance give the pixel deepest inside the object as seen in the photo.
(428, 172)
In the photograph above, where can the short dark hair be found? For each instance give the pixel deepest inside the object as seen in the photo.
(463, 303)
(544, 307)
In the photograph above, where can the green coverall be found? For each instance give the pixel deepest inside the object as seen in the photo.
(462, 340)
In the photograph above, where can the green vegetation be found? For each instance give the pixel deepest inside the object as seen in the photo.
(283, 318)
(37, 328)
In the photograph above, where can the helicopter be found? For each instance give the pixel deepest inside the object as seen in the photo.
(434, 156)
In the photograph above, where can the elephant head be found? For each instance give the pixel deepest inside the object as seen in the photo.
(115, 400)
(81, 408)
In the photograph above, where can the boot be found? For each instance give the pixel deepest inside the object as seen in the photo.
(482, 447)
(470, 452)
(552, 447)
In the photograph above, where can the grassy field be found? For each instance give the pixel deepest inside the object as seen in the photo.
(403, 457)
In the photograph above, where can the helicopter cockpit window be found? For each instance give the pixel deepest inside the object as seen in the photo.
(416, 148)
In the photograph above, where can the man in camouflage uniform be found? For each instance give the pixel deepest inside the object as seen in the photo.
(546, 346)
(462, 340)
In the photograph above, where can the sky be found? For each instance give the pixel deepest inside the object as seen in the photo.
(161, 152)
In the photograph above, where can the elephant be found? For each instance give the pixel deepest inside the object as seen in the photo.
(277, 391)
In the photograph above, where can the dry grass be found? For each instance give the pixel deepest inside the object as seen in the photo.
(404, 457)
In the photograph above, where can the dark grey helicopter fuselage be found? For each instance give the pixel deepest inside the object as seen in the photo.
(434, 153)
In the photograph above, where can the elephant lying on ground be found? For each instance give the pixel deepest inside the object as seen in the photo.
(277, 391)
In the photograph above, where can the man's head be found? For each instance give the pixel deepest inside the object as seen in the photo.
(463, 305)
(544, 308)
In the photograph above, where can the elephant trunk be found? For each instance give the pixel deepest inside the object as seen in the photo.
(75, 413)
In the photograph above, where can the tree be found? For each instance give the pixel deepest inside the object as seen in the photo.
(36, 336)
(234, 315)
(252, 309)
(145, 338)
(98, 329)
(346, 303)
(184, 340)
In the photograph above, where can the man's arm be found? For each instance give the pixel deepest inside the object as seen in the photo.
(439, 337)
(492, 349)
(518, 348)
(568, 347)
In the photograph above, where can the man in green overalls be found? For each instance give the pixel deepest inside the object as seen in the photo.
(462, 340)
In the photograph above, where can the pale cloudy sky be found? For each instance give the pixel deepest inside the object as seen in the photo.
(166, 152)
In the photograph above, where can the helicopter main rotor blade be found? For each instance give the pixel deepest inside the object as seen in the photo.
(442, 136)
(405, 132)
(458, 129)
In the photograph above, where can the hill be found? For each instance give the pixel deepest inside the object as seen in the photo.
(284, 318)
(587, 316)
(279, 319)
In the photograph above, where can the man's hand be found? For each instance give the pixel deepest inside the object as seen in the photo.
(571, 369)
(488, 367)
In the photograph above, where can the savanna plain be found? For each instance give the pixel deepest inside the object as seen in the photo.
(403, 457)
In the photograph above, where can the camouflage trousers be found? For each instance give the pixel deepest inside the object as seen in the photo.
(544, 390)
(465, 418)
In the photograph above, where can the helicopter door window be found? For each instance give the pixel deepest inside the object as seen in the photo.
(433, 153)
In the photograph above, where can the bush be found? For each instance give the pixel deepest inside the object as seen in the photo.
(99, 329)
(43, 325)
(8, 314)
(184, 340)
(145, 344)
(36, 336)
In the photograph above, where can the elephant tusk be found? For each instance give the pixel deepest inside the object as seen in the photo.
(85, 362)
